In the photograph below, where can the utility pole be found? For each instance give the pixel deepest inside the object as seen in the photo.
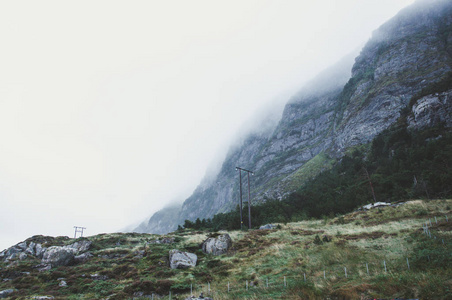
(79, 230)
(249, 196)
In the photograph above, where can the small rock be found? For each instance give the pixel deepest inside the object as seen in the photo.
(6, 293)
(42, 297)
(45, 268)
(267, 226)
(98, 277)
(62, 283)
(165, 240)
(22, 256)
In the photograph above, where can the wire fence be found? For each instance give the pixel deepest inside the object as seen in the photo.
(336, 273)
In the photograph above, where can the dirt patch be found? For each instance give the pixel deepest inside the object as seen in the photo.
(365, 235)
(306, 232)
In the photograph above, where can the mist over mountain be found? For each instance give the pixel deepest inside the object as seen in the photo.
(345, 106)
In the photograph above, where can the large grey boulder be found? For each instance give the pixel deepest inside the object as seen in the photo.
(58, 256)
(182, 260)
(218, 245)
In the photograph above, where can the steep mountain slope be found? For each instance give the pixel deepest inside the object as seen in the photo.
(407, 55)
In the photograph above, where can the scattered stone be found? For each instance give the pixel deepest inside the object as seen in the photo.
(23, 256)
(42, 297)
(6, 293)
(58, 256)
(165, 240)
(218, 245)
(98, 277)
(62, 283)
(267, 226)
(201, 297)
(45, 268)
(182, 260)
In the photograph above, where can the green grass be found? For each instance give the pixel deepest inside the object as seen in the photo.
(303, 248)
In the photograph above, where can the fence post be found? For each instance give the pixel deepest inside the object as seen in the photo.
(430, 222)
(247, 285)
(436, 220)
(170, 295)
(208, 286)
(228, 286)
(345, 269)
(304, 274)
(408, 263)
(267, 282)
(191, 289)
(447, 220)
(384, 262)
(367, 267)
(324, 277)
(284, 281)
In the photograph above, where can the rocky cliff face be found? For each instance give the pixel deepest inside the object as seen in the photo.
(345, 106)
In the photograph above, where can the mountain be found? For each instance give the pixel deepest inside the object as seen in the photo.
(402, 67)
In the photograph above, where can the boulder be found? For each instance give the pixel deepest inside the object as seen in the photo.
(6, 293)
(268, 226)
(58, 256)
(79, 246)
(182, 260)
(218, 245)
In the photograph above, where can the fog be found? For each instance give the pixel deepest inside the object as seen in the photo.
(109, 110)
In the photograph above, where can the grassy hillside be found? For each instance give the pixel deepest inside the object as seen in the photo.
(124, 266)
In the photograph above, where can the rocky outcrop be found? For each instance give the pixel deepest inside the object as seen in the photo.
(182, 260)
(50, 256)
(432, 110)
(217, 245)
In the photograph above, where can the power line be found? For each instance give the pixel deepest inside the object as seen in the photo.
(249, 197)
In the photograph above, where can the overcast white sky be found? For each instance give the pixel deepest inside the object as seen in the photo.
(110, 109)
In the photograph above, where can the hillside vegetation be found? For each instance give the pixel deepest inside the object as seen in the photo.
(126, 266)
